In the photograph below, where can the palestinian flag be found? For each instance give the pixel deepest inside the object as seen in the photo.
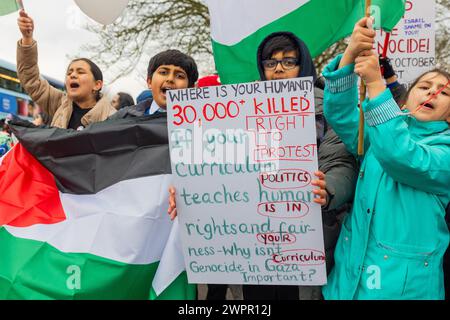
(83, 214)
(8, 6)
(238, 27)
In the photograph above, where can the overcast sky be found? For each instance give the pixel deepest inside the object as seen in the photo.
(59, 33)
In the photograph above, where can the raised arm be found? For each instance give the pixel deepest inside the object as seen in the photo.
(420, 163)
(47, 97)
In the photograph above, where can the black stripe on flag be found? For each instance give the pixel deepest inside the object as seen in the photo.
(104, 153)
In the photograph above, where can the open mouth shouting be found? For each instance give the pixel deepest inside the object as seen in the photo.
(164, 89)
(426, 106)
(74, 85)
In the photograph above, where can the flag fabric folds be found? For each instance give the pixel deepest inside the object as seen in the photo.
(83, 214)
(238, 27)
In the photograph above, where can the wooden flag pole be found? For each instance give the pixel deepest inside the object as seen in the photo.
(20, 4)
(362, 96)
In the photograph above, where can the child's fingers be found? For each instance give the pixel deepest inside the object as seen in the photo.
(320, 192)
(361, 59)
(364, 59)
(366, 23)
(361, 69)
(172, 199)
(367, 53)
(173, 214)
(319, 174)
(22, 13)
(25, 23)
(364, 39)
(321, 196)
(366, 34)
(320, 201)
(172, 203)
(319, 183)
(361, 46)
(362, 22)
(24, 20)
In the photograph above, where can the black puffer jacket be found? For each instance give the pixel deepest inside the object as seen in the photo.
(133, 111)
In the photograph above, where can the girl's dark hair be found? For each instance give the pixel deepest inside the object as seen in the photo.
(125, 100)
(436, 70)
(96, 72)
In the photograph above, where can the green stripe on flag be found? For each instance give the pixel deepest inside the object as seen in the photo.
(8, 6)
(32, 269)
(178, 290)
(319, 23)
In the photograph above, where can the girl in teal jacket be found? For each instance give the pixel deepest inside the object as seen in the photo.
(392, 244)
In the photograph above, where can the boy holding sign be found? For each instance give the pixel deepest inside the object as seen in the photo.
(283, 56)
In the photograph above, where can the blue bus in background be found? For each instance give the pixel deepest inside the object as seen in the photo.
(13, 98)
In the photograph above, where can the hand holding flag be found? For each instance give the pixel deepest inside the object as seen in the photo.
(26, 26)
(367, 67)
(362, 39)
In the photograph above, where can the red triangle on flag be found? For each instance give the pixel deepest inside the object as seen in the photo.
(28, 191)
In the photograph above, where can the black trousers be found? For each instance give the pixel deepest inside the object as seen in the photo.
(216, 292)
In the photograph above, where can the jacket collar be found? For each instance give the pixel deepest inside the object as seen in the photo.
(426, 128)
(102, 110)
(139, 109)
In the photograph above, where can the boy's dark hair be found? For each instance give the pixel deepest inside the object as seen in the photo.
(436, 70)
(96, 72)
(279, 43)
(284, 41)
(176, 58)
(125, 100)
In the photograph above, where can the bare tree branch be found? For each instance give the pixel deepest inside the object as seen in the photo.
(149, 26)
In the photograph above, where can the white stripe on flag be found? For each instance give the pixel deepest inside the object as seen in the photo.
(172, 261)
(234, 20)
(127, 222)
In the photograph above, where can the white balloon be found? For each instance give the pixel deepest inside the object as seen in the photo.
(102, 11)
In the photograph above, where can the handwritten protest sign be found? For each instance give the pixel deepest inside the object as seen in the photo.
(411, 45)
(243, 157)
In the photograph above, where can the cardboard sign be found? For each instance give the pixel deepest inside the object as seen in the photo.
(243, 158)
(411, 45)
